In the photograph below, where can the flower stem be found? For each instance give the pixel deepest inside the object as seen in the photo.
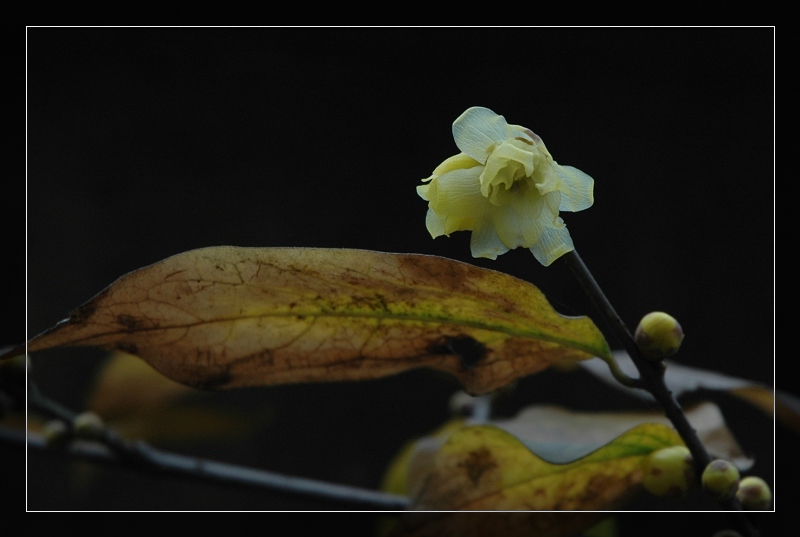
(651, 375)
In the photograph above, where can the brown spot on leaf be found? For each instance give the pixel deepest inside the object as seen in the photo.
(476, 463)
(128, 321)
(83, 313)
(469, 350)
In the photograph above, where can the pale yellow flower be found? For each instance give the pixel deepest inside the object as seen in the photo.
(506, 188)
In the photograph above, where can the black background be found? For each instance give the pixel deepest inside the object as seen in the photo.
(147, 142)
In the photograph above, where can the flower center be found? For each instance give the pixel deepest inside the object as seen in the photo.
(505, 171)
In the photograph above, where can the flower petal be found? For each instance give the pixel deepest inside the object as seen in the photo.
(477, 131)
(523, 133)
(453, 163)
(547, 180)
(553, 243)
(459, 199)
(521, 222)
(507, 163)
(422, 191)
(577, 188)
(434, 223)
(485, 242)
(506, 188)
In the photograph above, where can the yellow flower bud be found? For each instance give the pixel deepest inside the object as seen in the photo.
(669, 472)
(754, 493)
(658, 335)
(721, 479)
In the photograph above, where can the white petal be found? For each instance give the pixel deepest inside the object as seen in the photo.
(453, 163)
(511, 150)
(520, 223)
(422, 191)
(459, 199)
(577, 188)
(434, 223)
(523, 133)
(513, 228)
(547, 179)
(485, 242)
(477, 130)
(553, 243)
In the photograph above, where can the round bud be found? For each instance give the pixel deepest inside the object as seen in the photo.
(88, 426)
(658, 335)
(754, 493)
(669, 472)
(721, 479)
(56, 434)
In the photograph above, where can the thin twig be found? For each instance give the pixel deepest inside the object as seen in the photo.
(652, 379)
(110, 447)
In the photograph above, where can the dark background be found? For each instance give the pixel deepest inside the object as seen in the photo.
(145, 142)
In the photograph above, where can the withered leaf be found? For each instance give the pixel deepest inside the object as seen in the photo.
(544, 458)
(560, 435)
(482, 467)
(225, 317)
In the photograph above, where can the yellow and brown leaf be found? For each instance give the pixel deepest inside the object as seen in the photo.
(226, 317)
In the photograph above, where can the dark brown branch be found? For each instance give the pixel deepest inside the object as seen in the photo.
(652, 379)
(112, 448)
